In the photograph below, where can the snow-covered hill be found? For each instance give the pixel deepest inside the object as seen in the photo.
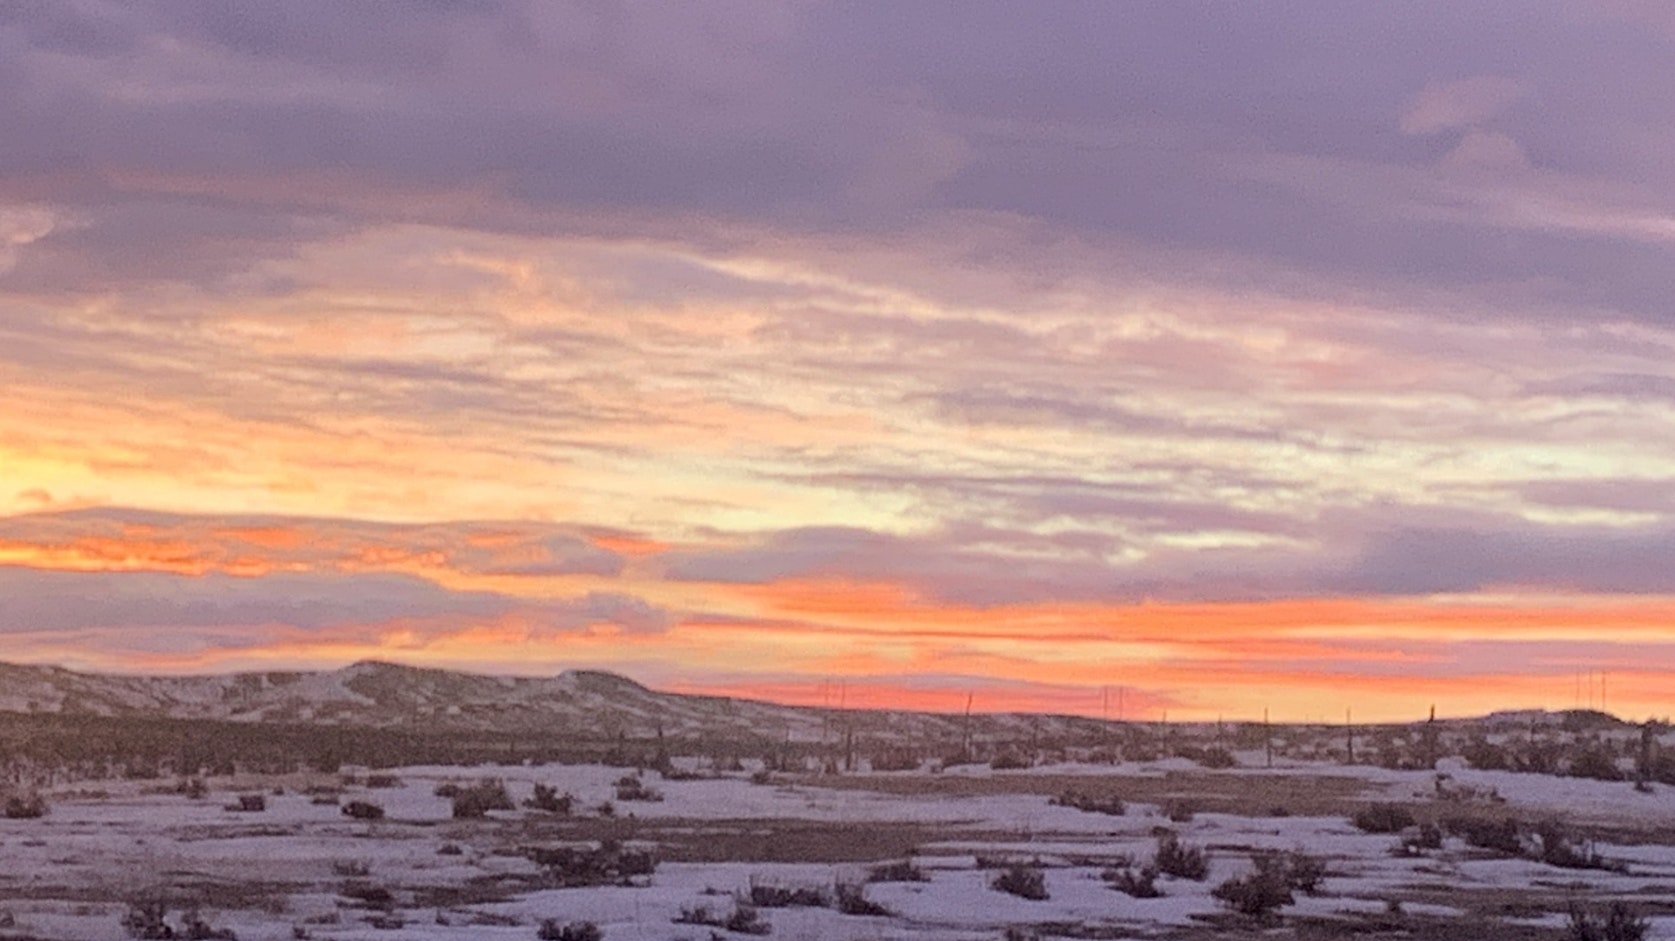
(584, 702)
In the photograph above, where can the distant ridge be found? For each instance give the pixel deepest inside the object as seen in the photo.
(588, 703)
(592, 703)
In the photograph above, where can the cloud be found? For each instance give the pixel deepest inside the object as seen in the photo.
(1576, 558)
(1387, 552)
(200, 141)
(599, 315)
(632, 614)
(21, 226)
(46, 600)
(1461, 104)
(218, 611)
(1480, 151)
(1641, 495)
(108, 537)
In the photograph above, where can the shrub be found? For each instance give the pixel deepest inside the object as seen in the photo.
(367, 895)
(1217, 757)
(475, 801)
(1382, 818)
(248, 804)
(955, 760)
(552, 930)
(899, 871)
(25, 807)
(1619, 924)
(1484, 756)
(547, 800)
(1026, 882)
(1260, 893)
(351, 868)
(1428, 836)
(447, 789)
(1140, 885)
(745, 918)
(1093, 804)
(193, 788)
(1179, 811)
(1139, 752)
(895, 759)
(1556, 849)
(630, 788)
(1010, 760)
(763, 895)
(609, 864)
(697, 915)
(852, 900)
(194, 928)
(1174, 858)
(1595, 763)
(146, 921)
(363, 810)
(1303, 872)
(1500, 836)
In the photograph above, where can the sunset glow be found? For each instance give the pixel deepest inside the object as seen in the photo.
(1168, 355)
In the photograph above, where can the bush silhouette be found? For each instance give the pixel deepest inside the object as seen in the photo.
(1174, 858)
(1026, 882)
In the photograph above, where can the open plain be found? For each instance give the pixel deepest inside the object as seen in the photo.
(700, 852)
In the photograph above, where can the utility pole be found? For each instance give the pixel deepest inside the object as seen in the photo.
(1267, 737)
(965, 745)
(1643, 767)
(1349, 732)
(1105, 721)
(1431, 739)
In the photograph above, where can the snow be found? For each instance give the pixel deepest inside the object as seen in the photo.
(70, 874)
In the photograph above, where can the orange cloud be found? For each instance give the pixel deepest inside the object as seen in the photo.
(891, 642)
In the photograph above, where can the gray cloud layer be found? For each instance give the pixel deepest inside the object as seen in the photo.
(1395, 552)
(1102, 300)
(1515, 149)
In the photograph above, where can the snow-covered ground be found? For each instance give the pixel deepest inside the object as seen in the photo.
(300, 868)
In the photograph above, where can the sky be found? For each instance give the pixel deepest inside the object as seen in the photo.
(1164, 357)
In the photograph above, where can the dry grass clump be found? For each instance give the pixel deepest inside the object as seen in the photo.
(1024, 881)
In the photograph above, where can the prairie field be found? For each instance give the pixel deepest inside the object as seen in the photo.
(1074, 850)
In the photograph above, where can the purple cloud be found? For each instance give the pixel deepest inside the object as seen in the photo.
(184, 135)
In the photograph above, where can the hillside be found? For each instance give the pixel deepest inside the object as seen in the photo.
(590, 703)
